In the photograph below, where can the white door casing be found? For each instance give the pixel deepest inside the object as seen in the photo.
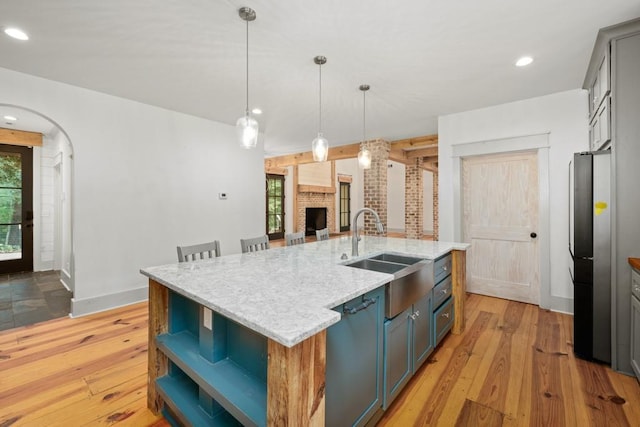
(499, 212)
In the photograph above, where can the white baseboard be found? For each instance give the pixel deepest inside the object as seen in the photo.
(561, 305)
(82, 307)
(65, 278)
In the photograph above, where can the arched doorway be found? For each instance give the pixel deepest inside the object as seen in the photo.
(51, 214)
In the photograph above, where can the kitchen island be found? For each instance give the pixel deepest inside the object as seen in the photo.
(282, 297)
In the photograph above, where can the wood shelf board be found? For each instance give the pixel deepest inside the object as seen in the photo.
(182, 398)
(234, 388)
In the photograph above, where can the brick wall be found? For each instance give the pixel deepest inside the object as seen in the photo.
(413, 201)
(375, 184)
(316, 200)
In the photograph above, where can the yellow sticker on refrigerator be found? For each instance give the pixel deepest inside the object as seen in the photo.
(600, 207)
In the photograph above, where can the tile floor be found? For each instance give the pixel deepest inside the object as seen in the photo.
(28, 298)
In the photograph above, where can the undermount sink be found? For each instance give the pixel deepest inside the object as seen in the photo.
(413, 279)
(400, 259)
(380, 266)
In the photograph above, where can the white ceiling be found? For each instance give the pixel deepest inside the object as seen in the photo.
(422, 58)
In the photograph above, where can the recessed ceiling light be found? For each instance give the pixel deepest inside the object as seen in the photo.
(16, 33)
(256, 111)
(524, 61)
(10, 118)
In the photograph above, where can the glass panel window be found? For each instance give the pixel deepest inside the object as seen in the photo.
(345, 206)
(275, 206)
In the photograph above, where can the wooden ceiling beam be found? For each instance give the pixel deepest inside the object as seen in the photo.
(20, 137)
(335, 153)
(432, 159)
(431, 167)
(423, 152)
(402, 151)
(398, 155)
(413, 143)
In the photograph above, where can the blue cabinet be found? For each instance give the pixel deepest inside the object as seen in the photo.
(442, 300)
(408, 341)
(354, 361)
(423, 342)
(443, 320)
(397, 354)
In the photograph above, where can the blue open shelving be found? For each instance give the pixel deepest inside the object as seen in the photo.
(238, 391)
(181, 395)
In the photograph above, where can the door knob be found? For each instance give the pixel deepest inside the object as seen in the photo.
(533, 235)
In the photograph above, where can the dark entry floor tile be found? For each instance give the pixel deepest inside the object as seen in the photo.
(47, 276)
(31, 317)
(27, 305)
(22, 282)
(5, 293)
(60, 304)
(6, 315)
(7, 325)
(51, 286)
(22, 292)
(28, 298)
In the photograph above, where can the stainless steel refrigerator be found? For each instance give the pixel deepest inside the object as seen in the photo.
(590, 249)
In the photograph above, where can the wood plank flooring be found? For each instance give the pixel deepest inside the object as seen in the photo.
(513, 366)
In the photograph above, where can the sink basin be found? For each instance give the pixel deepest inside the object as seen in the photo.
(400, 259)
(375, 265)
(412, 279)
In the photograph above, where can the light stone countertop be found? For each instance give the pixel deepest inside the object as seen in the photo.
(287, 293)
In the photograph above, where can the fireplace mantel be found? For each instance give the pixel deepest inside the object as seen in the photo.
(315, 189)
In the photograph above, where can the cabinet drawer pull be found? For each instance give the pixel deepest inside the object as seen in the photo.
(413, 316)
(366, 302)
(446, 315)
(444, 268)
(443, 291)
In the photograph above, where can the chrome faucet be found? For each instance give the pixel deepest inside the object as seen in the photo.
(355, 238)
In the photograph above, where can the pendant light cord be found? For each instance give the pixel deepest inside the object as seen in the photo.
(247, 110)
(364, 116)
(320, 101)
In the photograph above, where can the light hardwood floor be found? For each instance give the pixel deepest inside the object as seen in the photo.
(513, 366)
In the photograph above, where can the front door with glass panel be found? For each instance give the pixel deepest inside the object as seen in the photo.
(16, 209)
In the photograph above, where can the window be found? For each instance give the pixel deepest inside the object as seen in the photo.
(275, 206)
(345, 206)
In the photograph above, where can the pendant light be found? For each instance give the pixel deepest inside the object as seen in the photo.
(364, 155)
(247, 126)
(320, 145)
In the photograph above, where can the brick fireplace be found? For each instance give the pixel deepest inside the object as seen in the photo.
(315, 200)
(315, 219)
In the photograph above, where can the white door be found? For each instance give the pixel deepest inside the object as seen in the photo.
(500, 220)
